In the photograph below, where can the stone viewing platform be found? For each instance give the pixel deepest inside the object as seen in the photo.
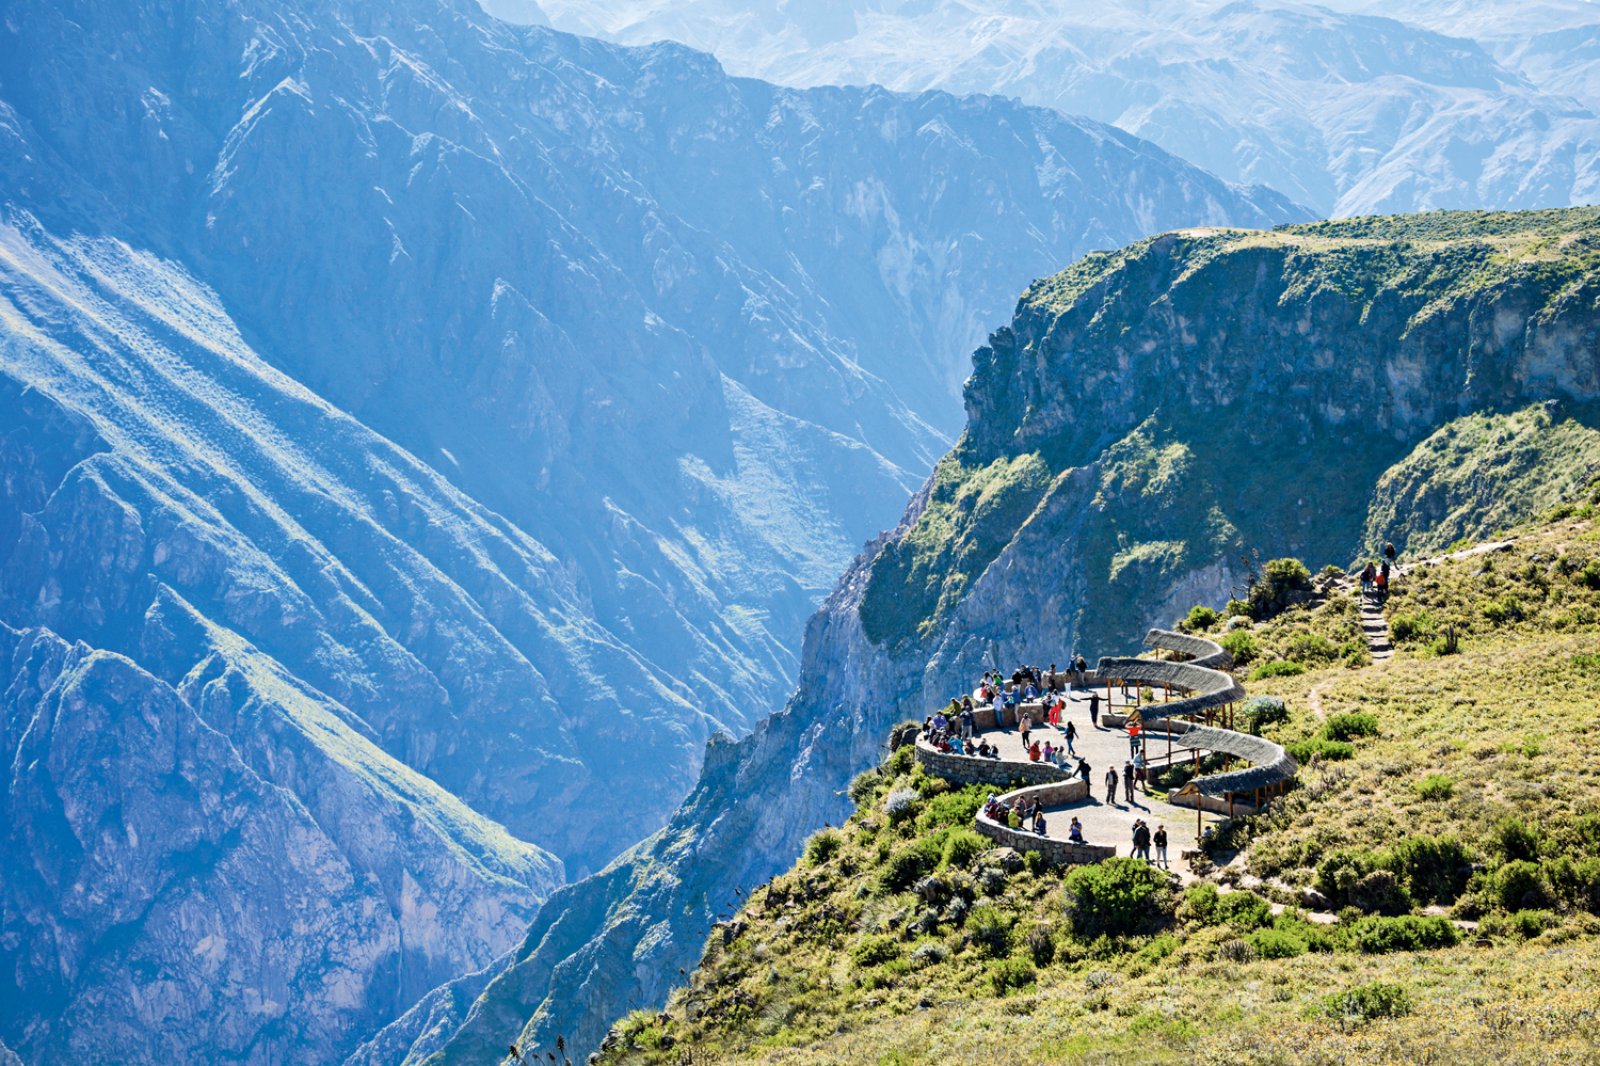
(1192, 719)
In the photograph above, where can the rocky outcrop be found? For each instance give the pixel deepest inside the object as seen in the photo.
(1148, 416)
(227, 873)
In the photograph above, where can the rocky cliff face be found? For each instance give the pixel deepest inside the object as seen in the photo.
(1149, 416)
(228, 872)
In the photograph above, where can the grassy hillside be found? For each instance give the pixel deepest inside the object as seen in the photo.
(1445, 833)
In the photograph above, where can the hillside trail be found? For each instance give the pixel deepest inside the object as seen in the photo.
(1375, 624)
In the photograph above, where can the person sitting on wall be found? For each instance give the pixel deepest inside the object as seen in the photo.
(1030, 692)
(1034, 755)
(1014, 820)
(940, 722)
(1075, 832)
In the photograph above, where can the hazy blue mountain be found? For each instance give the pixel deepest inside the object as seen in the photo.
(417, 436)
(1349, 112)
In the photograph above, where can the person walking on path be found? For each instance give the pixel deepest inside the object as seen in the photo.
(1111, 785)
(1133, 739)
(1161, 845)
(1026, 727)
(1388, 553)
(1094, 709)
(1141, 840)
(1127, 780)
(1368, 576)
(1072, 734)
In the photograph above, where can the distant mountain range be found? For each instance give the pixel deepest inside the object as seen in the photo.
(418, 435)
(1377, 107)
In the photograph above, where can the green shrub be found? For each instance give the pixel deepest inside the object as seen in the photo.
(1523, 925)
(1433, 869)
(961, 846)
(1034, 862)
(905, 865)
(1435, 787)
(1409, 627)
(873, 950)
(990, 930)
(900, 762)
(823, 846)
(1277, 668)
(1380, 892)
(1520, 885)
(1241, 645)
(953, 808)
(1330, 750)
(1236, 609)
(1245, 911)
(1277, 944)
(1199, 904)
(1500, 611)
(1311, 648)
(1199, 619)
(1118, 897)
(1589, 576)
(1575, 882)
(1350, 725)
(1338, 874)
(1363, 1003)
(1374, 935)
(1280, 579)
(1259, 712)
(900, 805)
(1513, 840)
(1010, 975)
(1041, 944)
(863, 786)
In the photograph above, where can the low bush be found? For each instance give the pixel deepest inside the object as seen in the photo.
(863, 785)
(1374, 935)
(905, 865)
(1240, 644)
(1435, 787)
(1433, 869)
(1279, 581)
(823, 846)
(1260, 712)
(1410, 627)
(1199, 904)
(953, 808)
(1245, 911)
(1118, 897)
(1350, 725)
(1277, 668)
(1277, 944)
(1513, 839)
(990, 930)
(1380, 892)
(1364, 1003)
(1199, 619)
(1523, 925)
(1010, 975)
(1041, 944)
(1520, 885)
(961, 846)
(900, 804)
(873, 950)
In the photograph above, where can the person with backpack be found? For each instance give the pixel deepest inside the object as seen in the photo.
(1388, 552)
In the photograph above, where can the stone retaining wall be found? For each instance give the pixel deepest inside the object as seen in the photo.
(971, 770)
(1055, 852)
(1214, 804)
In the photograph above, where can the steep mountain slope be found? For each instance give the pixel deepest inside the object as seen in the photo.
(1149, 416)
(1463, 788)
(1350, 113)
(692, 335)
(209, 855)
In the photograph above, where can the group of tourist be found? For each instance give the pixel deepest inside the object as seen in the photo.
(1133, 774)
(1142, 839)
(955, 738)
(1025, 813)
(1375, 578)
